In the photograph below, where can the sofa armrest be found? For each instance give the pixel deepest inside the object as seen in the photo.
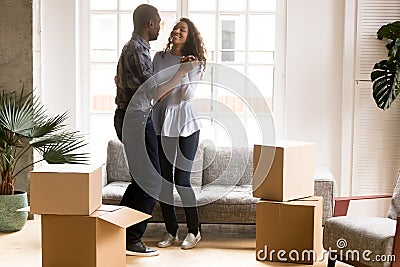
(342, 203)
(396, 245)
(104, 180)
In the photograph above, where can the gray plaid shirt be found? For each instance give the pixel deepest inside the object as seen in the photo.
(134, 68)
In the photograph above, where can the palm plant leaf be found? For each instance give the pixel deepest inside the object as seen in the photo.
(40, 142)
(8, 138)
(60, 137)
(385, 83)
(60, 153)
(16, 113)
(24, 124)
(47, 126)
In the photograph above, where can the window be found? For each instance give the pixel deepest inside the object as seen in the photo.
(239, 34)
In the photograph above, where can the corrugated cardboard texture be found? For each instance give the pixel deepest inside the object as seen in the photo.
(291, 174)
(68, 241)
(110, 246)
(287, 226)
(88, 241)
(56, 190)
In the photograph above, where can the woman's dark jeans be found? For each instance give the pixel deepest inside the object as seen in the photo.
(176, 159)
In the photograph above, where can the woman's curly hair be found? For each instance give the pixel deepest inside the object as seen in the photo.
(194, 44)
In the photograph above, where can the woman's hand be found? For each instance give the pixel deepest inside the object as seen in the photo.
(188, 63)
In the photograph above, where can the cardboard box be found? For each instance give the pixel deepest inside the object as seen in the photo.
(289, 231)
(284, 171)
(86, 241)
(69, 189)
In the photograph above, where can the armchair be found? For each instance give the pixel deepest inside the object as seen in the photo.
(364, 241)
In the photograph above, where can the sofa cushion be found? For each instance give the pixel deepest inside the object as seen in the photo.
(113, 192)
(360, 233)
(196, 175)
(226, 194)
(228, 166)
(117, 165)
(214, 213)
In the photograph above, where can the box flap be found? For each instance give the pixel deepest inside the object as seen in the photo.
(66, 168)
(307, 201)
(301, 201)
(103, 209)
(124, 217)
(109, 208)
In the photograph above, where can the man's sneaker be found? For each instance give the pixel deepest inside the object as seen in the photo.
(190, 241)
(167, 241)
(140, 249)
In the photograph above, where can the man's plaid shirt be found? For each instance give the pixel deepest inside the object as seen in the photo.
(134, 68)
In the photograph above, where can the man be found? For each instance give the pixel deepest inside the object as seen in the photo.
(132, 120)
(134, 65)
(134, 68)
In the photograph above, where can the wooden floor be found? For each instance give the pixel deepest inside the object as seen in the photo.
(221, 245)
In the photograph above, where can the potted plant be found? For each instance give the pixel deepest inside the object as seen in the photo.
(385, 75)
(24, 125)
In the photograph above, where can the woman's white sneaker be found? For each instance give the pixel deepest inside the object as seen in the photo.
(167, 241)
(191, 241)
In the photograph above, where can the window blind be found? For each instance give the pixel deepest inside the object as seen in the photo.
(372, 14)
(376, 147)
(376, 140)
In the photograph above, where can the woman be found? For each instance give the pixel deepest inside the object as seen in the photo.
(178, 131)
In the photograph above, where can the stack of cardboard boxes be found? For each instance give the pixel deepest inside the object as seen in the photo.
(288, 216)
(76, 229)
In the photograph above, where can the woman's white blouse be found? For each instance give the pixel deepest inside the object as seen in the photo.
(174, 116)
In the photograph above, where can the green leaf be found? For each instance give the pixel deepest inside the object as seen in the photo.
(390, 31)
(48, 125)
(16, 113)
(385, 83)
(24, 124)
(60, 153)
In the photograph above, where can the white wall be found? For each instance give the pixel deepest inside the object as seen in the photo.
(59, 58)
(315, 32)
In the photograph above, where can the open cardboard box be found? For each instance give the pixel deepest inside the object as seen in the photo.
(289, 231)
(68, 189)
(284, 171)
(85, 241)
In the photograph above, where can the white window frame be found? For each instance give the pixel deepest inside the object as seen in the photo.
(279, 90)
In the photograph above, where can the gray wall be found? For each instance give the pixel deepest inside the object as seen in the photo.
(16, 58)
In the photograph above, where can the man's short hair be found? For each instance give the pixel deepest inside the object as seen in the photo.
(143, 14)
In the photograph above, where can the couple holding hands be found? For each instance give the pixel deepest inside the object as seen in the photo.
(157, 125)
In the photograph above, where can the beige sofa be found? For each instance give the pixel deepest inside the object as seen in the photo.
(222, 181)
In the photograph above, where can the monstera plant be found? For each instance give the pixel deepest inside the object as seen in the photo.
(385, 75)
(24, 125)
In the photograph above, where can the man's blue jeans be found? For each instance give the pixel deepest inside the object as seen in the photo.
(140, 143)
